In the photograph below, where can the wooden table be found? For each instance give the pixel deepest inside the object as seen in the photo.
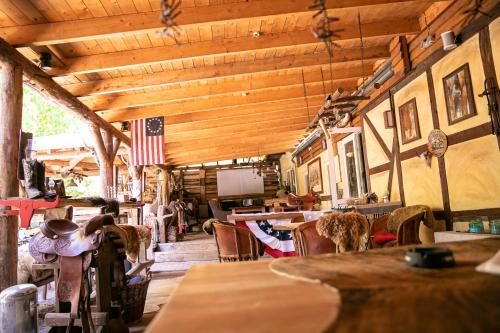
(247, 297)
(250, 209)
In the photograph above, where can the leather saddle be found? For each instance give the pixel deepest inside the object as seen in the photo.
(305, 202)
(73, 246)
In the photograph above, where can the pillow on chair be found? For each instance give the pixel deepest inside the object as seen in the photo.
(382, 237)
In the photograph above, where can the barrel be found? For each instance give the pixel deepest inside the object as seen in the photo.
(18, 309)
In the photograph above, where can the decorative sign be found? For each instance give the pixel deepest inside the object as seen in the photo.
(437, 143)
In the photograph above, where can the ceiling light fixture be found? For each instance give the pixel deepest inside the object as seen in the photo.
(45, 61)
(244, 94)
(256, 34)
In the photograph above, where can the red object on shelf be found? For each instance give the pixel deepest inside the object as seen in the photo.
(27, 208)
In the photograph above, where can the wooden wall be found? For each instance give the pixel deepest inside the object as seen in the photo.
(202, 183)
(467, 178)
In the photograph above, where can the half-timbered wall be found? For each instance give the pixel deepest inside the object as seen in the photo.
(467, 178)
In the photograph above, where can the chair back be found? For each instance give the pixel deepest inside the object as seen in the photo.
(217, 211)
(235, 243)
(408, 230)
(309, 242)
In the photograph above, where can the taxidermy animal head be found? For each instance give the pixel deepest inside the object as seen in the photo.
(426, 156)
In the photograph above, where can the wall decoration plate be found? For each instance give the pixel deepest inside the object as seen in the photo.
(437, 143)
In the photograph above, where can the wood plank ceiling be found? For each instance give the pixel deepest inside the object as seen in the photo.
(224, 93)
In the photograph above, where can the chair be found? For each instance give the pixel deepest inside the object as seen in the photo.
(407, 231)
(235, 243)
(217, 210)
(308, 242)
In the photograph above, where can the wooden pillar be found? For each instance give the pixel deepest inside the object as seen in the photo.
(165, 187)
(11, 101)
(106, 150)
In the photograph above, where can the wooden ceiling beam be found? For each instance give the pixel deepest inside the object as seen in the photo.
(206, 103)
(235, 130)
(244, 110)
(308, 61)
(197, 159)
(194, 145)
(129, 58)
(114, 26)
(106, 102)
(250, 149)
(254, 134)
(47, 87)
(214, 123)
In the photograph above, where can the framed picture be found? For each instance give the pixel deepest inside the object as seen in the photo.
(458, 95)
(408, 117)
(388, 122)
(315, 179)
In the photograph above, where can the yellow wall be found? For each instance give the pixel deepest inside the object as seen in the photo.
(473, 171)
(466, 53)
(419, 90)
(495, 44)
(472, 167)
(421, 183)
(302, 170)
(286, 164)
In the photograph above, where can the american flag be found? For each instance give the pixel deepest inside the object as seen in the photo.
(278, 243)
(147, 141)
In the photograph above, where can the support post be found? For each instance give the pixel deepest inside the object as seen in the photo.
(105, 154)
(11, 101)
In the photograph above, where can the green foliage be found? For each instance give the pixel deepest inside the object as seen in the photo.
(43, 117)
(89, 186)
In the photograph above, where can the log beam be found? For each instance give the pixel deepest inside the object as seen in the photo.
(341, 58)
(113, 26)
(155, 55)
(11, 101)
(44, 84)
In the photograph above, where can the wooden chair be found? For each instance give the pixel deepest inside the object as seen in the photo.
(308, 242)
(235, 243)
(407, 231)
(217, 210)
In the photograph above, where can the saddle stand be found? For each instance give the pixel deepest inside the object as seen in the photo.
(27, 207)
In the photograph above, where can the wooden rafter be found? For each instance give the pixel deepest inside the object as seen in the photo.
(45, 85)
(104, 27)
(133, 82)
(106, 102)
(124, 59)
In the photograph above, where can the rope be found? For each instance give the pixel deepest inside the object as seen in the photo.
(305, 95)
(323, 81)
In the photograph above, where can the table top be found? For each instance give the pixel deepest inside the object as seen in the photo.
(245, 297)
(454, 236)
(275, 215)
(248, 297)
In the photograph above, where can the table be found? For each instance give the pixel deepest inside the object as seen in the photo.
(246, 297)
(250, 209)
(454, 236)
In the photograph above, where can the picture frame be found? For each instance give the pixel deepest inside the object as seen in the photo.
(314, 175)
(458, 95)
(388, 121)
(408, 120)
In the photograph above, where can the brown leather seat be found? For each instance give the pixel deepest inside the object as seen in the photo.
(235, 243)
(308, 242)
(217, 210)
(305, 202)
(407, 231)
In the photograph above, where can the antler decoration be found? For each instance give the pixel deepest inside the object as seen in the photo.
(169, 12)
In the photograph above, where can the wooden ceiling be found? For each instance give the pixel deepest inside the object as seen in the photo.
(223, 92)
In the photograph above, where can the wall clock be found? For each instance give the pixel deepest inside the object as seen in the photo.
(437, 143)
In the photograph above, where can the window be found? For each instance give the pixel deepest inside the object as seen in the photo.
(351, 155)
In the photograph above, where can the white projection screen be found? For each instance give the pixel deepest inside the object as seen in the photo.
(239, 182)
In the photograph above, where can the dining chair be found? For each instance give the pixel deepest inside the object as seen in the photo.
(309, 242)
(235, 243)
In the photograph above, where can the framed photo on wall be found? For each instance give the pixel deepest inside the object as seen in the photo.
(315, 179)
(408, 118)
(458, 95)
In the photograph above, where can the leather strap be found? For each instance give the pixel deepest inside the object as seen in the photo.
(70, 282)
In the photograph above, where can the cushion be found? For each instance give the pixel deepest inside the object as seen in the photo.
(382, 237)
